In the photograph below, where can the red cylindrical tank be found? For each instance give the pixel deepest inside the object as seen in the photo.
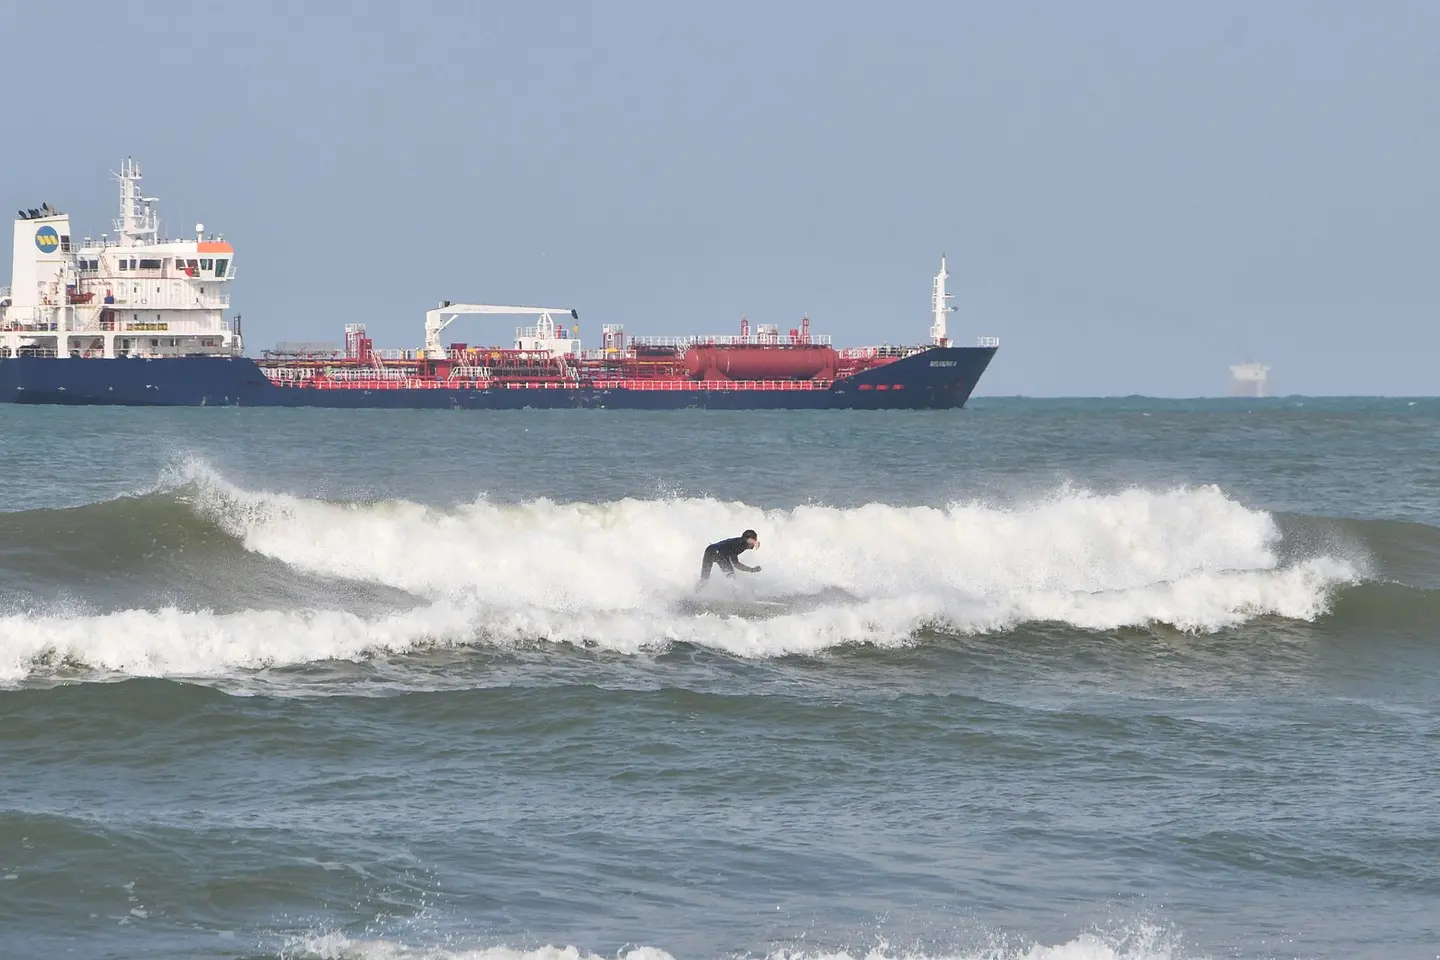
(761, 362)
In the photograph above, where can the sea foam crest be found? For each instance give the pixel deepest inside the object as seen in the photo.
(621, 575)
(1146, 943)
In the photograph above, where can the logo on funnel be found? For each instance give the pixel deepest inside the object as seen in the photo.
(47, 239)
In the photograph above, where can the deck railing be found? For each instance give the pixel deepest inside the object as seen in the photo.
(324, 383)
(729, 340)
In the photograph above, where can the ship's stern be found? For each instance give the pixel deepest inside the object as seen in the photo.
(179, 381)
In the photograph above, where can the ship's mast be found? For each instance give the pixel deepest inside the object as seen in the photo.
(137, 224)
(941, 307)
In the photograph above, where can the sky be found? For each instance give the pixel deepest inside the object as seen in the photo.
(1132, 195)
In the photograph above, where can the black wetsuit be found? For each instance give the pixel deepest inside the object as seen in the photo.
(725, 555)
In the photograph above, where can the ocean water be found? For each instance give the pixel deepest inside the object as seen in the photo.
(1072, 680)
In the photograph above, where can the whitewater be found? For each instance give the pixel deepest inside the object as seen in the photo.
(620, 576)
(1144, 942)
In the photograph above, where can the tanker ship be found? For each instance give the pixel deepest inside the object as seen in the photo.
(137, 320)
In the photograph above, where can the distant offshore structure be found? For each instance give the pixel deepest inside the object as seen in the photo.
(1249, 380)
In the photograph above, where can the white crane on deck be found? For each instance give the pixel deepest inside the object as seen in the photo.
(541, 337)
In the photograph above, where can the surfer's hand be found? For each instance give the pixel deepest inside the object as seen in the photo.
(754, 569)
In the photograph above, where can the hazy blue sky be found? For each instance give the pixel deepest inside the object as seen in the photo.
(1132, 195)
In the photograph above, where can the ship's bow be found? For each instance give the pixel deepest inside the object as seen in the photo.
(940, 378)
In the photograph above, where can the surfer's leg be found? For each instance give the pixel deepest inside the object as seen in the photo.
(705, 563)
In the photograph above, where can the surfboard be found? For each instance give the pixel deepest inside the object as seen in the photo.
(731, 606)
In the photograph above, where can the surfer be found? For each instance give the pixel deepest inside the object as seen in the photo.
(726, 555)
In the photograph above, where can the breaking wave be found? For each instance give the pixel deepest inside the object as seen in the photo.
(1147, 942)
(620, 576)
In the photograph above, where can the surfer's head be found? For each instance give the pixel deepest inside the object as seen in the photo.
(750, 537)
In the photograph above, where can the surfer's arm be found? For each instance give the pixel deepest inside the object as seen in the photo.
(741, 566)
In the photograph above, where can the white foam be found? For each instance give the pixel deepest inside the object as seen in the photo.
(620, 555)
(336, 947)
(197, 643)
(1146, 944)
(615, 575)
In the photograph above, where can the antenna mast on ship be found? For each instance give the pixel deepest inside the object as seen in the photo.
(137, 218)
(941, 307)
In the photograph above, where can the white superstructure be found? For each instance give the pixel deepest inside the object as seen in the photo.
(133, 294)
(1249, 380)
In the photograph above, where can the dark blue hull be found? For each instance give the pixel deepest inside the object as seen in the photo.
(939, 378)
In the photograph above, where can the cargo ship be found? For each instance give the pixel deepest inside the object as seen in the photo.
(135, 319)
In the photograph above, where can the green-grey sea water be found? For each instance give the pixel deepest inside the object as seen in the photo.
(1073, 680)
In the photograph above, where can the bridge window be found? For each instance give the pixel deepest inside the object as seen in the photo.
(220, 266)
(149, 264)
(207, 264)
(124, 264)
